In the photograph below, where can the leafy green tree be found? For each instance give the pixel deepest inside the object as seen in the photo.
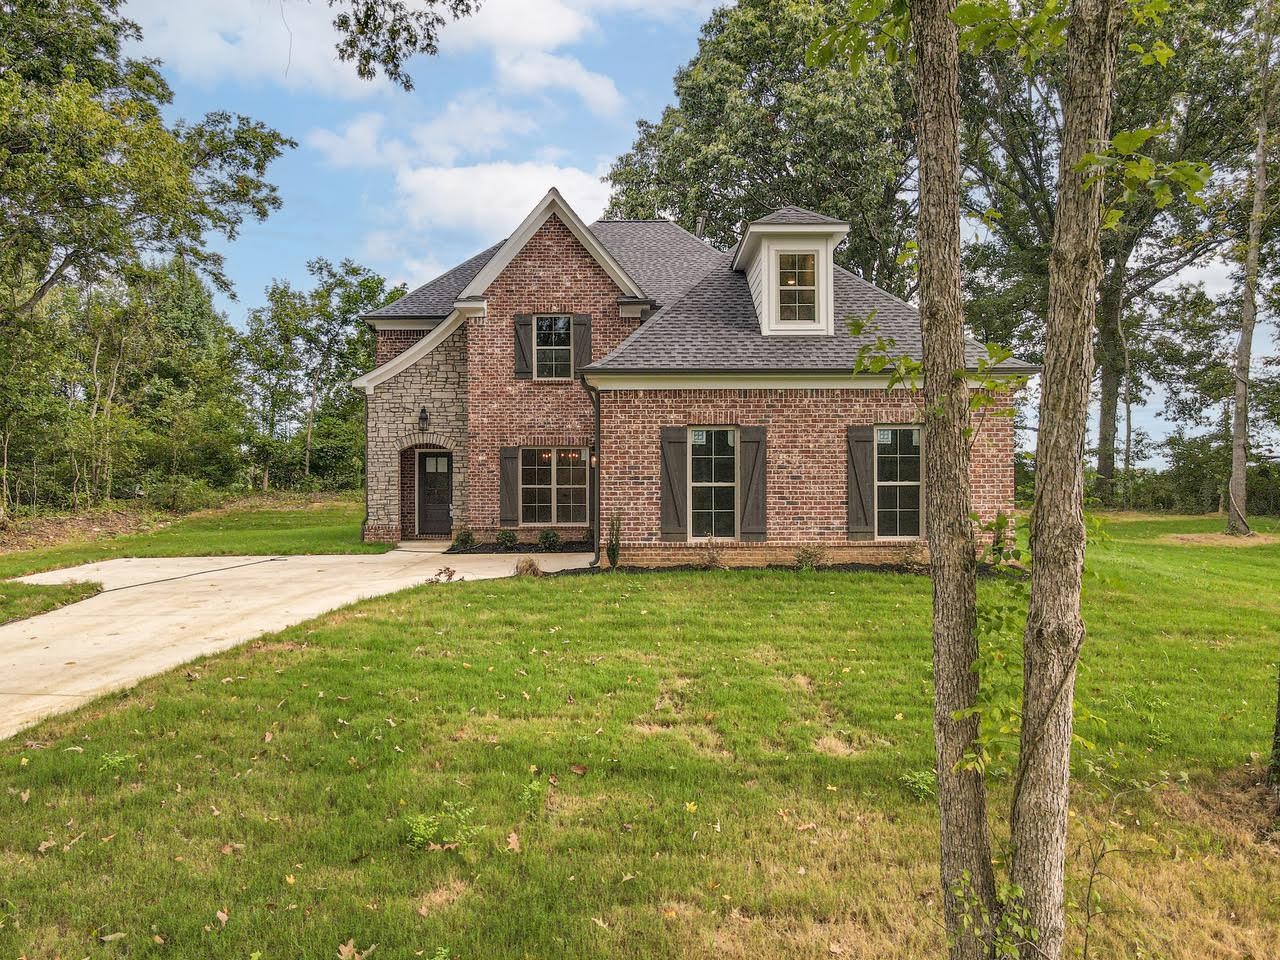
(92, 178)
(754, 128)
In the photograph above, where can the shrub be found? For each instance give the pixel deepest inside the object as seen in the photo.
(710, 557)
(506, 539)
(450, 829)
(528, 567)
(921, 784)
(809, 559)
(549, 541)
(614, 547)
(463, 540)
(181, 495)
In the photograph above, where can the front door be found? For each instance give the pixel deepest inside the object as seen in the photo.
(435, 493)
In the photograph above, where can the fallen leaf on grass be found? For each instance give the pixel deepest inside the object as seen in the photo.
(348, 951)
(579, 769)
(513, 842)
(222, 916)
(111, 936)
(600, 923)
(46, 846)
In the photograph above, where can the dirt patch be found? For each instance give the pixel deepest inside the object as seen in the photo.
(29, 533)
(1239, 808)
(803, 682)
(834, 746)
(1220, 540)
(442, 897)
(700, 737)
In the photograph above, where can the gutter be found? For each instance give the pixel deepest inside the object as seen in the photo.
(594, 394)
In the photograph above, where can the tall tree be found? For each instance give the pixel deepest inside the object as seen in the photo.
(387, 33)
(1055, 632)
(1237, 503)
(754, 128)
(968, 881)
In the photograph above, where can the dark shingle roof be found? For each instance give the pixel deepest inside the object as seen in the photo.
(435, 299)
(714, 328)
(797, 215)
(661, 256)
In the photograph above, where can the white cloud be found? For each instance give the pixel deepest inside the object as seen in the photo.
(534, 71)
(490, 199)
(519, 24)
(358, 144)
(287, 43)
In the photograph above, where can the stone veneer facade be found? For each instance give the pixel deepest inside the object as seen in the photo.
(477, 406)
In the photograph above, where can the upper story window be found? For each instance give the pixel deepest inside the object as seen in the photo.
(713, 482)
(898, 482)
(798, 288)
(553, 347)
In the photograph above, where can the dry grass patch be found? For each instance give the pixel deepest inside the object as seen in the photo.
(1238, 808)
(1220, 540)
(442, 897)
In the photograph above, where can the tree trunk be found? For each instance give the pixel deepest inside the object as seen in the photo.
(1273, 775)
(1237, 502)
(1110, 369)
(1054, 631)
(965, 858)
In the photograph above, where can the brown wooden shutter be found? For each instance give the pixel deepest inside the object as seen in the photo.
(862, 460)
(752, 483)
(509, 487)
(674, 483)
(581, 341)
(524, 346)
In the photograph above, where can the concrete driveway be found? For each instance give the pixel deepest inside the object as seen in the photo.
(155, 614)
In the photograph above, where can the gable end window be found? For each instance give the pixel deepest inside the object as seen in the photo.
(898, 471)
(713, 483)
(553, 485)
(798, 288)
(553, 347)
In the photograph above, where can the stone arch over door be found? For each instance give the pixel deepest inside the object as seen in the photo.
(410, 446)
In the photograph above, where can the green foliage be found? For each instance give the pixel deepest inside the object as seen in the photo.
(533, 798)
(451, 828)
(754, 127)
(811, 558)
(464, 539)
(506, 539)
(181, 495)
(613, 549)
(549, 541)
(114, 762)
(920, 784)
(384, 34)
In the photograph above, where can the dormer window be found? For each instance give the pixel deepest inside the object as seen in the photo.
(798, 288)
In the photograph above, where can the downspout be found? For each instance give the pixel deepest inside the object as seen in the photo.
(594, 393)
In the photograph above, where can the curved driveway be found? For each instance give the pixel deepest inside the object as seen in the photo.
(154, 614)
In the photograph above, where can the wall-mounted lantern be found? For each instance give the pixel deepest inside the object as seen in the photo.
(424, 420)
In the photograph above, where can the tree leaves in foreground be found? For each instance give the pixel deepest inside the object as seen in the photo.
(387, 33)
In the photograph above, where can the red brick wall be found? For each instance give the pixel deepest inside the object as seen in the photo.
(554, 273)
(392, 343)
(806, 472)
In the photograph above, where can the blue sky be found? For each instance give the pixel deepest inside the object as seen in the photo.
(525, 95)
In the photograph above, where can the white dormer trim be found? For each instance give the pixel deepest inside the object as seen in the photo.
(552, 203)
(757, 257)
(407, 358)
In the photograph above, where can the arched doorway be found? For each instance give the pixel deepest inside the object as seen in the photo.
(426, 492)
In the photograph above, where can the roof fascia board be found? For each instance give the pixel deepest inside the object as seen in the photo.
(553, 202)
(765, 380)
(403, 323)
(407, 358)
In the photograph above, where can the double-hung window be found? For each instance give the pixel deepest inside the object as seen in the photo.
(713, 480)
(797, 288)
(553, 347)
(553, 485)
(898, 466)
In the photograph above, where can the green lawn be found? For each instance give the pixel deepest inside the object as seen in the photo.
(328, 525)
(691, 764)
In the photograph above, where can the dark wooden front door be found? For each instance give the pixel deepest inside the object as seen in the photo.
(435, 492)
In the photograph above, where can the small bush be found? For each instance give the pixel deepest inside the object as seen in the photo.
(181, 495)
(549, 541)
(921, 784)
(710, 557)
(507, 539)
(533, 798)
(528, 567)
(114, 763)
(463, 540)
(613, 548)
(809, 559)
(450, 829)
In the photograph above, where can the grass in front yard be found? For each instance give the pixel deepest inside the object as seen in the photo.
(327, 525)
(664, 765)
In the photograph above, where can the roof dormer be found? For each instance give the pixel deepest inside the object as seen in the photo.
(788, 259)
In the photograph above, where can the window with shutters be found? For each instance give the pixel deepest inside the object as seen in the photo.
(898, 472)
(553, 485)
(553, 347)
(713, 483)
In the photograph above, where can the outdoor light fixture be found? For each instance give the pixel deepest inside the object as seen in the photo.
(424, 419)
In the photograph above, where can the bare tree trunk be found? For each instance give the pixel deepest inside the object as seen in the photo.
(1054, 631)
(1237, 502)
(1128, 419)
(965, 857)
(1110, 380)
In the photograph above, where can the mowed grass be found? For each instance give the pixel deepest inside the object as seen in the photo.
(662, 765)
(327, 525)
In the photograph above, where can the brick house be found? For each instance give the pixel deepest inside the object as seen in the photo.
(572, 373)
